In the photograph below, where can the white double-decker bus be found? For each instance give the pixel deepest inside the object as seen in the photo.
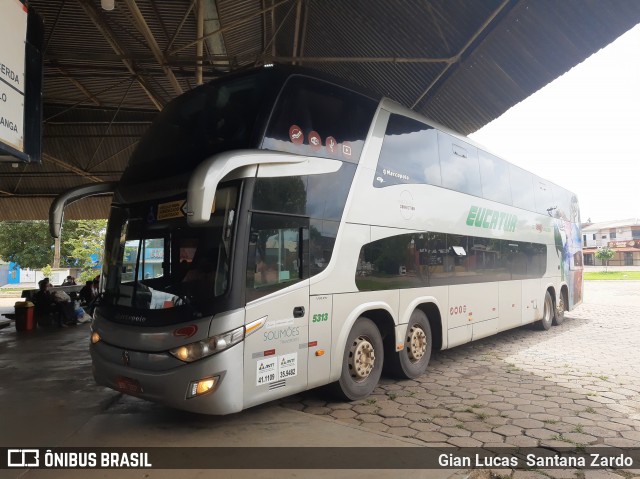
(276, 231)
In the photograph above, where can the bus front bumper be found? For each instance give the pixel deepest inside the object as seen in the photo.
(172, 387)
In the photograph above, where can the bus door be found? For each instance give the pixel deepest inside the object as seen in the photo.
(277, 310)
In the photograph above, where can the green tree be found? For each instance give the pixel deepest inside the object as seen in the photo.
(47, 270)
(29, 243)
(605, 254)
(84, 243)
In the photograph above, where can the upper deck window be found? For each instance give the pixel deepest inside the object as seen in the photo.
(459, 163)
(543, 196)
(220, 116)
(522, 188)
(409, 154)
(494, 173)
(316, 118)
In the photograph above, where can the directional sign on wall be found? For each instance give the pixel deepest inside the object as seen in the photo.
(21, 41)
(13, 33)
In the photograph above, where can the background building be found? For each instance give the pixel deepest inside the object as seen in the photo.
(622, 236)
(9, 273)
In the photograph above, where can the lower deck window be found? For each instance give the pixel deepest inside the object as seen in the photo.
(436, 259)
(275, 253)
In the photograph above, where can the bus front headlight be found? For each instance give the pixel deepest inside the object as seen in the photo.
(201, 349)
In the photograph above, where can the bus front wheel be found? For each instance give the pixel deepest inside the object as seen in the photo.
(413, 360)
(548, 314)
(362, 361)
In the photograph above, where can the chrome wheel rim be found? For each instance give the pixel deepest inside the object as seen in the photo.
(417, 343)
(362, 359)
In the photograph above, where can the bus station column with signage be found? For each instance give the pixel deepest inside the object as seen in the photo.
(13, 31)
(20, 83)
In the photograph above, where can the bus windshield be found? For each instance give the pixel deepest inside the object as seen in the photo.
(155, 260)
(213, 118)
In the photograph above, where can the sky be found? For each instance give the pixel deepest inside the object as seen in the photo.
(582, 131)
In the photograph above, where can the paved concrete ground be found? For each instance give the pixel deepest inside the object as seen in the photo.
(575, 384)
(48, 399)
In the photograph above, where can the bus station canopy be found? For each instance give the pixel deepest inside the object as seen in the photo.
(108, 72)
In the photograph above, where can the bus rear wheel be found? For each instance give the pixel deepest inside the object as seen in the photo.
(414, 358)
(547, 316)
(558, 319)
(362, 361)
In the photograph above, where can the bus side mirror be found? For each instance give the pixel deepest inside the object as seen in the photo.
(56, 211)
(206, 177)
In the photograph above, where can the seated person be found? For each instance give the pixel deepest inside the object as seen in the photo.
(87, 293)
(69, 281)
(87, 296)
(266, 272)
(47, 301)
(42, 300)
(198, 277)
(201, 269)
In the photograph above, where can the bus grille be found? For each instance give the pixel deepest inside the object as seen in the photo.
(277, 384)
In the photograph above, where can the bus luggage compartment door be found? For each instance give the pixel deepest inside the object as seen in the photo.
(532, 301)
(474, 305)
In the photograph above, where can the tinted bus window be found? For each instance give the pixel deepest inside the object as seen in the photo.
(322, 239)
(286, 194)
(459, 165)
(327, 193)
(275, 258)
(215, 117)
(522, 188)
(317, 196)
(438, 259)
(525, 260)
(409, 154)
(316, 118)
(494, 174)
(320, 197)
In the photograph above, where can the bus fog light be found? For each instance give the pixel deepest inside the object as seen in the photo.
(203, 386)
(95, 337)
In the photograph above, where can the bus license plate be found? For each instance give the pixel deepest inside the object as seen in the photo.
(128, 385)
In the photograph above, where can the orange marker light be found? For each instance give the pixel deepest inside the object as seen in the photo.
(255, 325)
(320, 352)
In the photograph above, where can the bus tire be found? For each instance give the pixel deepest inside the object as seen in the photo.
(362, 361)
(558, 318)
(547, 316)
(413, 360)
